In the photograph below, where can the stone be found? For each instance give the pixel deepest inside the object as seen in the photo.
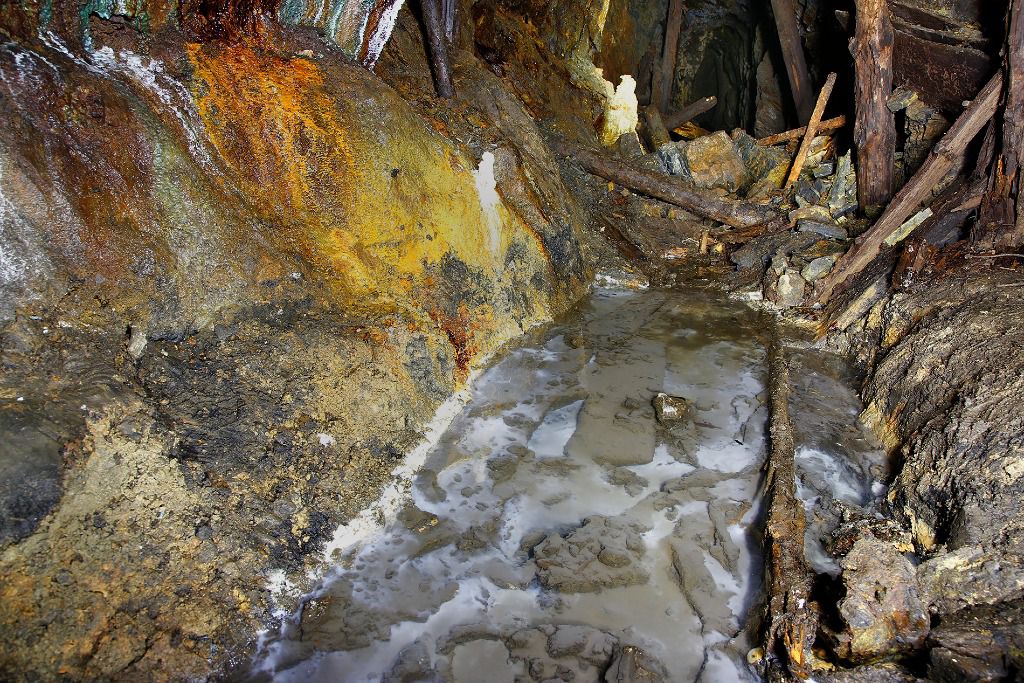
(883, 611)
(620, 114)
(572, 563)
(823, 228)
(983, 644)
(842, 198)
(818, 268)
(670, 159)
(670, 408)
(788, 290)
(712, 161)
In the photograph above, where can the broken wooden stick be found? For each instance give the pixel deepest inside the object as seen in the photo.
(812, 130)
(826, 126)
(949, 150)
(738, 214)
(874, 130)
(793, 55)
(792, 621)
(437, 46)
(689, 112)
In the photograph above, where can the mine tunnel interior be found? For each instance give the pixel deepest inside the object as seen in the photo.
(511, 340)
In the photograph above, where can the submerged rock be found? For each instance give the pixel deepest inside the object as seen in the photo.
(670, 408)
(633, 665)
(603, 553)
(882, 609)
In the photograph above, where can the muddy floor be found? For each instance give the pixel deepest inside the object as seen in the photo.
(570, 521)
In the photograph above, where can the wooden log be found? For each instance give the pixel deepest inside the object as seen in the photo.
(874, 130)
(1001, 223)
(792, 620)
(738, 214)
(689, 112)
(437, 46)
(947, 152)
(812, 130)
(665, 74)
(793, 55)
(826, 126)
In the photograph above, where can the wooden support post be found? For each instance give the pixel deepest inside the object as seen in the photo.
(1001, 223)
(793, 54)
(437, 46)
(949, 150)
(874, 129)
(812, 130)
(791, 623)
(690, 112)
(738, 214)
(665, 74)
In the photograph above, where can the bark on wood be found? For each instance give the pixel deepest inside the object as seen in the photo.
(1001, 224)
(665, 75)
(793, 55)
(812, 129)
(874, 129)
(946, 153)
(791, 623)
(689, 112)
(738, 214)
(826, 126)
(437, 46)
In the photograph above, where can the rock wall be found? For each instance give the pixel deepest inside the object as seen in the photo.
(237, 278)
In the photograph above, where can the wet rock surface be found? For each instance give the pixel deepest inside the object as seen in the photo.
(883, 609)
(235, 299)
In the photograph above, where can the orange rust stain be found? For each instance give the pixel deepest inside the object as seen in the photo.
(272, 120)
(461, 331)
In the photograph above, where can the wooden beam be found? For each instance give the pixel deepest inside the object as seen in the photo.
(793, 55)
(665, 74)
(826, 126)
(812, 130)
(791, 621)
(874, 130)
(689, 112)
(437, 47)
(949, 150)
(738, 214)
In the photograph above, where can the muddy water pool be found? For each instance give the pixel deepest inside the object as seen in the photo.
(556, 530)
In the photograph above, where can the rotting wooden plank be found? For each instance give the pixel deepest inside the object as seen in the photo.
(826, 126)
(738, 214)
(791, 620)
(941, 160)
(793, 55)
(874, 129)
(812, 130)
(663, 79)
